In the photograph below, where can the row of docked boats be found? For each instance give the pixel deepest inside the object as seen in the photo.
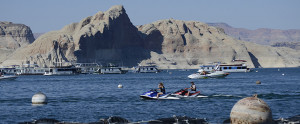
(218, 70)
(79, 68)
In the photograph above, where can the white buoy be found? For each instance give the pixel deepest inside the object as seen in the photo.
(120, 86)
(256, 71)
(39, 98)
(278, 69)
(282, 74)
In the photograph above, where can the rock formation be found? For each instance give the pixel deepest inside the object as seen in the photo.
(187, 44)
(12, 37)
(262, 36)
(171, 44)
(105, 37)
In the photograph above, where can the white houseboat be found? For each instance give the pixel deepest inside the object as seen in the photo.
(233, 67)
(87, 68)
(206, 68)
(8, 70)
(111, 70)
(62, 70)
(30, 69)
(146, 69)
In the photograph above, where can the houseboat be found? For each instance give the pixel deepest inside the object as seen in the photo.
(30, 69)
(87, 68)
(8, 70)
(62, 70)
(232, 67)
(207, 68)
(111, 70)
(146, 69)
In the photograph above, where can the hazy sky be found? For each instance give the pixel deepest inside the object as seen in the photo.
(47, 15)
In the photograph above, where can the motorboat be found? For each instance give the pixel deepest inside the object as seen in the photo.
(183, 93)
(151, 94)
(205, 75)
(8, 77)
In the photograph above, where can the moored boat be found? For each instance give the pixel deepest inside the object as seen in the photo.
(111, 70)
(8, 77)
(233, 67)
(62, 70)
(146, 69)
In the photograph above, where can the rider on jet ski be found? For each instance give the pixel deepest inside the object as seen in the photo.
(193, 89)
(162, 89)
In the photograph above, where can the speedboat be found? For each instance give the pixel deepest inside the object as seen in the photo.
(8, 77)
(183, 93)
(152, 95)
(213, 74)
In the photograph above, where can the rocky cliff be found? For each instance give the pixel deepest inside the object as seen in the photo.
(187, 44)
(105, 37)
(262, 36)
(12, 37)
(170, 44)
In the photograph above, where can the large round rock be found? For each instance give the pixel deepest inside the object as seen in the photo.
(251, 110)
(39, 98)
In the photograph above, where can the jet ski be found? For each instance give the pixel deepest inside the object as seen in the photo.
(183, 93)
(152, 95)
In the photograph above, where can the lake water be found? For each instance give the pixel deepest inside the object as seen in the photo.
(87, 98)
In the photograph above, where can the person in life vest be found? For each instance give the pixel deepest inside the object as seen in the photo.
(162, 89)
(192, 89)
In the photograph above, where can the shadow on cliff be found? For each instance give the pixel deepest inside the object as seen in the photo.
(254, 60)
(107, 47)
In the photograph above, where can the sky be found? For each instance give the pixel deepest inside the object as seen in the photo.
(48, 15)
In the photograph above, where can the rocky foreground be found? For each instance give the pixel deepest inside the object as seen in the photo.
(110, 37)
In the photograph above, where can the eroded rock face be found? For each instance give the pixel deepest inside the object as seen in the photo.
(12, 37)
(105, 37)
(188, 44)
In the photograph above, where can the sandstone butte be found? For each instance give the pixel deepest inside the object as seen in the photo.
(170, 44)
(12, 37)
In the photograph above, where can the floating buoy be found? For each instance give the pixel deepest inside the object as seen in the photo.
(251, 110)
(256, 71)
(283, 74)
(120, 86)
(39, 98)
(278, 69)
(258, 82)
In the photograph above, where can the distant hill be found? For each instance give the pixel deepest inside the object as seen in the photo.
(262, 36)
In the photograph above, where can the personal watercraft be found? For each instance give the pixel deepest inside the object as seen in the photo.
(183, 93)
(152, 95)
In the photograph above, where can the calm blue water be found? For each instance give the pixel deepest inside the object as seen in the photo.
(87, 98)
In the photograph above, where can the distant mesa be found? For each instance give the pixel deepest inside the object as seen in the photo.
(171, 44)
